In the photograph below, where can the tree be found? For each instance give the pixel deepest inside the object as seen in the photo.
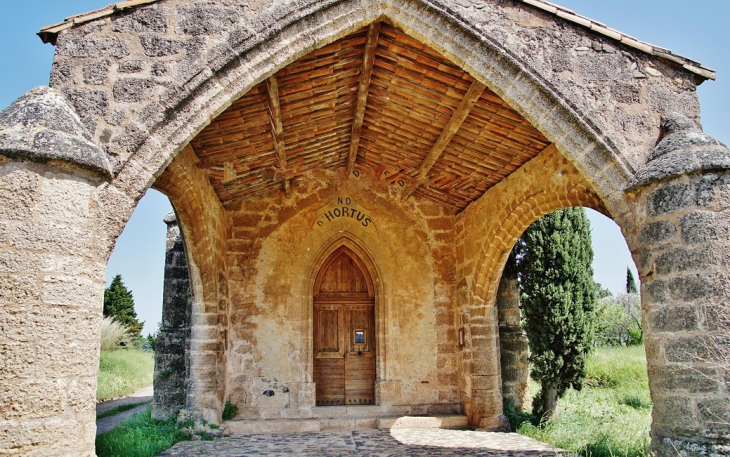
(602, 292)
(558, 299)
(119, 304)
(630, 282)
(618, 320)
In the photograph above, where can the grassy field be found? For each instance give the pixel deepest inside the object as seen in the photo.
(140, 436)
(123, 372)
(610, 417)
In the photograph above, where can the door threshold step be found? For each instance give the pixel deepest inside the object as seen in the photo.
(246, 427)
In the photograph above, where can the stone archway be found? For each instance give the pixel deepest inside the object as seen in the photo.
(163, 80)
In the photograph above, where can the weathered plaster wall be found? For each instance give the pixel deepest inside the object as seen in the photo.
(273, 255)
(485, 234)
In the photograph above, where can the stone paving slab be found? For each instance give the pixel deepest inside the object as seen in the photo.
(397, 442)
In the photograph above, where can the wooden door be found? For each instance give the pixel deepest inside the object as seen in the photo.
(344, 332)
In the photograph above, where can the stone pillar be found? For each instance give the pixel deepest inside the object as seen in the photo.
(172, 347)
(682, 249)
(513, 346)
(53, 257)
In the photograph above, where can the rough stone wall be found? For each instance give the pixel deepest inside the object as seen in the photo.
(52, 267)
(599, 101)
(514, 350)
(274, 254)
(485, 234)
(682, 250)
(172, 347)
(205, 228)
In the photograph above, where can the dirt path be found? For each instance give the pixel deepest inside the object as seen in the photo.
(108, 423)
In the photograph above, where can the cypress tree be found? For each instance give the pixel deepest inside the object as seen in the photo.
(558, 300)
(119, 304)
(630, 282)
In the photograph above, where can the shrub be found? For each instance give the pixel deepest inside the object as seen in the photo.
(229, 411)
(113, 334)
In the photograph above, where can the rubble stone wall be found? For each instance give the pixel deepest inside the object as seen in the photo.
(172, 346)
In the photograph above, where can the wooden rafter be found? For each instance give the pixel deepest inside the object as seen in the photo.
(277, 128)
(362, 92)
(462, 111)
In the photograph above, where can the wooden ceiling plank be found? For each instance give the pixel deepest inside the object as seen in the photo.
(362, 92)
(471, 97)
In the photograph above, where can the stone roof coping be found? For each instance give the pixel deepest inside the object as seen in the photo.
(682, 149)
(42, 126)
(171, 218)
(49, 33)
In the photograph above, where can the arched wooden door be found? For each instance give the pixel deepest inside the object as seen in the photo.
(344, 331)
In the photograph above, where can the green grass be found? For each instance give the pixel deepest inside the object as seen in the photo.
(140, 436)
(119, 409)
(610, 417)
(123, 372)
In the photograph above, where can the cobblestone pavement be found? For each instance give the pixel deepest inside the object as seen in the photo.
(395, 442)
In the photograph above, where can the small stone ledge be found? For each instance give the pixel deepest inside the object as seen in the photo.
(41, 126)
(683, 149)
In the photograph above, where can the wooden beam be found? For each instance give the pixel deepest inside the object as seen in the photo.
(462, 111)
(277, 128)
(362, 92)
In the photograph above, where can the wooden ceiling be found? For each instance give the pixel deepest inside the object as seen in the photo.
(376, 99)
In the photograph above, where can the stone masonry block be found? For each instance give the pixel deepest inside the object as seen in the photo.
(704, 226)
(31, 399)
(143, 20)
(96, 73)
(657, 232)
(205, 18)
(675, 412)
(675, 380)
(714, 412)
(92, 46)
(697, 287)
(18, 192)
(670, 199)
(686, 349)
(683, 318)
(687, 260)
(155, 46)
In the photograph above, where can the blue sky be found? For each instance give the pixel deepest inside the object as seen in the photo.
(698, 30)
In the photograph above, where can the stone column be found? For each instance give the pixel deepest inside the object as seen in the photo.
(682, 249)
(513, 345)
(52, 265)
(172, 347)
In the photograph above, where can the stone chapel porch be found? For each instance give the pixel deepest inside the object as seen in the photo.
(452, 128)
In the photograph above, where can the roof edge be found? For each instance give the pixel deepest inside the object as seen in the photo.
(49, 33)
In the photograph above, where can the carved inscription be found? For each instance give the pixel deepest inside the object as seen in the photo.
(345, 209)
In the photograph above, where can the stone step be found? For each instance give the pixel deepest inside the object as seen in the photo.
(453, 421)
(245, 427)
